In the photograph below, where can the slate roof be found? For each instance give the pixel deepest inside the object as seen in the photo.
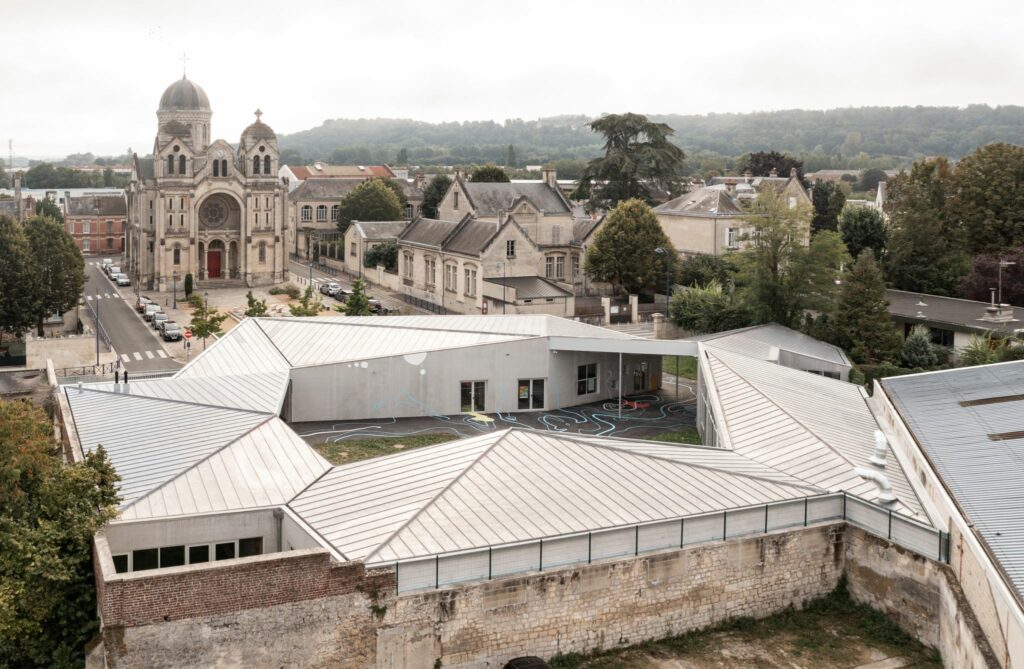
(471, 237)
(582, 228)
(702, 202)
(488, 198)
(144, 167)
(949, 312)
(109, 205)
(530, 287)
(324, 189)
(258, 130)
(969, 422)
(429, 232)
(379, 230)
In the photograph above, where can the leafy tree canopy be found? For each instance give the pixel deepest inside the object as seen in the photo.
(637, 154)
(49, 512)
(358, 303)
(988, 198)
(829, 200)
(489, 174)
(385, 253)
(255, 307)
(984, 275)
(762, 163)
(47, 208)
(372, 200)
(59, 268)
(870, 178)
(702, 270)
(863, 228)
(624, 251)
(434, 193)
(863, 325)
(17, 274)
(918, 351)
(205, 319)
(705, 309)
(309, 304)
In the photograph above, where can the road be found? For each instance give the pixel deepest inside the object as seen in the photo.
(136, 344)
(299, 270)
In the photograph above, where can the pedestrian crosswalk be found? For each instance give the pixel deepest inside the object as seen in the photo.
(101, 296)
(139, 356)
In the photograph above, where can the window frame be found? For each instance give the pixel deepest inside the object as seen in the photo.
(587, 379)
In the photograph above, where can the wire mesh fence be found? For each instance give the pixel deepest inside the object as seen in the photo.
(615, 543)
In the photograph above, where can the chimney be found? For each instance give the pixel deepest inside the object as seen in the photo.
(502, 216)
(730, 185)
(747, 174)
(792, 173)
(550, 176)
(419, 181)
(773, 173)
(459, 173)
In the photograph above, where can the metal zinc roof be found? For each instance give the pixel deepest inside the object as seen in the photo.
(245, 349)
(527, 325)
(814, 428)
(265, 467)
(759, 340)
(153, 440)
(257, 392)
(308, 341)
(982, 473)
(512, 486)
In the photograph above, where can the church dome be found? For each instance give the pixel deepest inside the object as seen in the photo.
(184, 95)
(258, 130)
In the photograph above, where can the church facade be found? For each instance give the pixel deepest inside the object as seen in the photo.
(202, 207)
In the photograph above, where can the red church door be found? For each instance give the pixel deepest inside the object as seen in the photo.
(213, 264)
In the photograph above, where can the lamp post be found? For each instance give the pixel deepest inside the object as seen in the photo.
(1002, 264)
(174, 289)
(668, 274)
(310, 239)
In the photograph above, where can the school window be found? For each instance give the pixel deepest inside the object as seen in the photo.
(110, 227)
(110, 242)
(407, 264)
(353, 249)
(531, 393)
(85, 245)
(732, 237)
(450, 277)
(510, 248)
(71, 228)
(556, 235)
(85, 228)
(429, 267)
(472, 395)
(456, 200)
(470, 287)
(586, 379)
(334, 212)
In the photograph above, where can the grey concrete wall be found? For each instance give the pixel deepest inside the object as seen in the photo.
(127, 536)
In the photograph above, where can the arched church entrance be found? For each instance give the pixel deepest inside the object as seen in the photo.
(215, 260)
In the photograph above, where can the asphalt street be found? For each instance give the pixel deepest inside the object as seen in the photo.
(135, 342)
(301, 271)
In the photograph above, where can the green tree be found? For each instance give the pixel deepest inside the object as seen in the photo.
(256, 307)
(309, 304)
(863, 325)
(870, 178)
(17, 274)
(396, 187)
(489, 174)
(918, 350)
(46, 207)
(385, 253)
(985, 274)
(434, 193)
(923, 254)
(205, 320)
(701, 270)
(624, 249)
(863, 228)
(778, 276)
(761, 164)
(637, 153)
(988, 198)
(829, 200)
(358, 303)
(59, 270)
(403, 157)
(511, 161)
(706, 309)
(188, 285)
(372, 200)
(49, 513)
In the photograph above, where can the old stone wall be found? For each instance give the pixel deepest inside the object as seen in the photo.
(920, 595)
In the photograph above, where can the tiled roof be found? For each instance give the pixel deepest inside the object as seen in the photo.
(488, 198)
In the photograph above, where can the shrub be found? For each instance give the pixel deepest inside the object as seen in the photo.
(188, 285)
(289, 289)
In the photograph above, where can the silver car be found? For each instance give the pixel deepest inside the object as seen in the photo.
(158, 318)
(123, 280)
(151, 309)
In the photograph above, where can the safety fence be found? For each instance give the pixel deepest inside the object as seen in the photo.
(99, 326)
(584, 548)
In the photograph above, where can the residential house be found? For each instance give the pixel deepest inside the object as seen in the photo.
(97, 223)
(953, 321)
(361, 237)
(20, 206)
(296, 174)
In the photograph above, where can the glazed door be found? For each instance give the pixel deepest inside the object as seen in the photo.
(213, 264)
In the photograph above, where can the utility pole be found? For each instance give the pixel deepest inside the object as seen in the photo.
(1002, 264)
(97, 333)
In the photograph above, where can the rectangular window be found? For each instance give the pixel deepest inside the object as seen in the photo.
(556, 235)
(470, 287)
(942, 337)
(408, 265)
(110, 242)
(575, 267)
(177, 256)
(85, 244)
(85, 228)
(510, 248)
(549, 267)
(456, 200)
(252, 546)
(732, 237)
(531, 393)
(472, 395)
(307, 213)
(120, 563)
(71, 228)
(181, 220)
(110, 227)
(197, 554)
(586, 379)
(145, 559)
(225, 551)
(451, 277)
(181, 204)
(263, 251)
(560, 267)
(172, 556)
(353, 249)
(429, 267)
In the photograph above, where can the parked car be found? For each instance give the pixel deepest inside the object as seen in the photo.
(330, 289)
(342, 295)
(107, 262)
(158, 318)
(140, 304)
(378, 308)
(151, 309)
(123, 280)
(170, 331)
(113, 271)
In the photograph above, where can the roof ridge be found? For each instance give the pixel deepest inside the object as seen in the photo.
(500, 436)
(168, 399)
(195, 464)
(270, 339)
(370, 323)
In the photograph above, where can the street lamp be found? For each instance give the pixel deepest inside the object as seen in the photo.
(310, 237)
(1002, 264)
(668, 274)
(174, 288)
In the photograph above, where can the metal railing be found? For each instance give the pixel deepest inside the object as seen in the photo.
(423, 304)
(99, 325)
(584, 548)
(86, 370)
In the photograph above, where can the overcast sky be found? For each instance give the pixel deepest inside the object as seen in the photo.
(87, 76)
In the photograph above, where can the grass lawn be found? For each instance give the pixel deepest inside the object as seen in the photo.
(688, 435)
(830, 632)
(361, 448)
(687, 366)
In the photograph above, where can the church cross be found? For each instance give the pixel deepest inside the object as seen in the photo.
(258, 115)
(184, 62)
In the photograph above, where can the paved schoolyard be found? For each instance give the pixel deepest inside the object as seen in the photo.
(644, 415)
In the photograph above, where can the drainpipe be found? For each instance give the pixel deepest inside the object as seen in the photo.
(278, 521)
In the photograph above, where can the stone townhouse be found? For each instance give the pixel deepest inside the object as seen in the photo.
(361, 237)
(715, 219)
(97, 223)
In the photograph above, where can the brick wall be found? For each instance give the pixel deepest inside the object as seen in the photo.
(98, 234)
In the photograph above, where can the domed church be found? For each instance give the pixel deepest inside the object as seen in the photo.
(202, 207)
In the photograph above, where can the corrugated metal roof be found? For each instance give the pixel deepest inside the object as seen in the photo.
(757, 341)
(265, 467)
(984, 475)
(150, 441)
(814, 428)
(245, 349)
(256, 392)
(512, 486)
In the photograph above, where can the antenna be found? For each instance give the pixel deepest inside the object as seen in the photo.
(184, 62)
(10, 158)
